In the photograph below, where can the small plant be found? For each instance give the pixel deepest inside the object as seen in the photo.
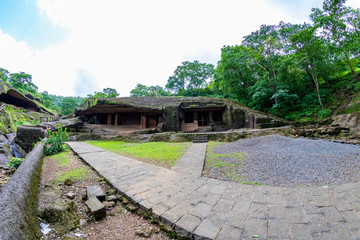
(15, 162)
(55, 142)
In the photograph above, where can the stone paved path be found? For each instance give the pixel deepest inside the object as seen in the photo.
(204, 208)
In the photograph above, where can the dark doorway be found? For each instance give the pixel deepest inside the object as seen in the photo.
(217, 116)
(189, 117)
(203, 118)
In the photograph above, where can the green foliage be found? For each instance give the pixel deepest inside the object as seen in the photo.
(189, 76)
(162, 152)
(68, 105)
(15, 162)
(27, 122)
(55, 142)
(293, 70)
(74, 174)
(22, 81)
(144, 91)
(107, 92)
(61, 158)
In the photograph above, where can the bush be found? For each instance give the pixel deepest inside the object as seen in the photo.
(55, 142)
(15, 162)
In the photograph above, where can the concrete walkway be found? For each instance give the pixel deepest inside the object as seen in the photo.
(203, 208)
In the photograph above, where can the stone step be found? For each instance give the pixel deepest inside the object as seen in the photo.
(200, 139)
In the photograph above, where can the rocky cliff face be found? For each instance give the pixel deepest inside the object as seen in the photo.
(348, 114)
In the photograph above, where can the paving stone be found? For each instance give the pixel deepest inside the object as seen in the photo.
(230, 233)
(201, 210)
(342, 231)
(211, 199)
(295, 215)
(332, 214)
(300, 231)
(217, 219)
(231, 193)
(219, 189)
(224, 205)
(203, 233)
(195, 197)
(318, 223)
(323, 236)
(186, 225)
(96, 208)
(352, 219)
(159, 209)
(342, 205)
(259, 197)
(95, 191)
(278, 228)
(237, 219)
(310, 208)
(242, 205)
(256, 226)
(258, 210)
(274, 199)
(276, 212)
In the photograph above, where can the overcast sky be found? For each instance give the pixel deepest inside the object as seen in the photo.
(76, 47)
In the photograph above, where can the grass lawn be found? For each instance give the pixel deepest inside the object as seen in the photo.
(160, 153)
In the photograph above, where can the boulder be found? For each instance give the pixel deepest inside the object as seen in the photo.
(96, 208)
(26, 137)
(61, 215)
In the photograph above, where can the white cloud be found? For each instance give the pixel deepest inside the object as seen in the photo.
(115, 43)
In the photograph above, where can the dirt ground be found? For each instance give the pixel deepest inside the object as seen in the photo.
(120, 223)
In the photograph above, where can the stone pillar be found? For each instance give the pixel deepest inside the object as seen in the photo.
(211, 120)
(116, 119)
(228, 110)
(143, 120)
(109, 119)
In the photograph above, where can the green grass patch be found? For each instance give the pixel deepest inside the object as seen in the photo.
(74, 174)
(61, 158)
(221, 163)
(161, 152)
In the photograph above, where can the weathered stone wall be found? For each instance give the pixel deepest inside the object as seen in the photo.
(27, 136)
(238, 118)
(18, 200)
(171, 118)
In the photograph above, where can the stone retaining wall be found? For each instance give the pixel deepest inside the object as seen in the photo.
(18, 200)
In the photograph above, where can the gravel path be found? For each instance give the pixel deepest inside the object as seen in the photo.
(281, 161)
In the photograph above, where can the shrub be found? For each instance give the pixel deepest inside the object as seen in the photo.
(15, 162)
(55, 142)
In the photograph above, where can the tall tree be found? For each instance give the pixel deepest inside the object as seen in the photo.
(190, 76)
(333, 21)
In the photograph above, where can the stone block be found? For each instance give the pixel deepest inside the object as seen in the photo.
(95, 191)
(96, 208)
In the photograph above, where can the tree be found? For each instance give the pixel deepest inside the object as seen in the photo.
(339, 26)
(266, 53)
(4, 74)
(233, 75)
(22, 81)
(312, 56)
(106, 93)
(68, 105)
(144, 91)
(190, 76)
